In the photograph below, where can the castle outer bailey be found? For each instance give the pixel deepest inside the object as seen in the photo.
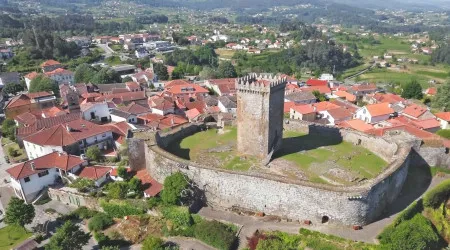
(260, 100)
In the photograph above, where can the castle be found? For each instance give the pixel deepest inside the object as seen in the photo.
(260, 100)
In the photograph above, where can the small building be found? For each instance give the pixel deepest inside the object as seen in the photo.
(50, 65)
(337, 115)
(417, 112)
(227, 104)
(303, 112)
(29, 102)
(30, 177)
(95, 111)
(301, 97)
(61, 76)
(444, 119)
(374, 113)
(98, 174)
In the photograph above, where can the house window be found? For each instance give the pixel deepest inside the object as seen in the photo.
(26, 179)
(43, 173)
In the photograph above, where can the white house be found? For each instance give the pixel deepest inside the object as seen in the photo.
(444, 119)
(61, 76)
(128, 113)
(30, 177)
(95, 111)
(326, 77)
(227, 104)
(337, 115)
(73, 137)
(374, 113)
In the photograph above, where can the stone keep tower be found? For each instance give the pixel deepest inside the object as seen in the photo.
(260, 102)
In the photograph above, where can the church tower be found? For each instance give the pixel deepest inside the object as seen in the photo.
(260, 105)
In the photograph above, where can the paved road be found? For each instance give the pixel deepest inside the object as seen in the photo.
(367, 234)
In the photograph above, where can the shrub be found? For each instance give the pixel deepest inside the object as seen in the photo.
(407, 214)
(117, 190)
(153, 243)
(215, 234)
(122, 172)
(153, 202)
(173, 185)
(180, 216)
(83, 185)
(417, 233)
(119, 209)
(115, 235)
(94, 153)
(438, 195)
(85, 213)
(270, 243)
(12, 152)
(101, 238)
(444, 133)
(99, 222)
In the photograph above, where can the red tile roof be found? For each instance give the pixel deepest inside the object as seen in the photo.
(427, 123)
(192, 113)
(59, 71)
(322, 106)
(443, 115)
(321, 89)
(388, 97)
(340, 113)
(53, 111)
(379, 109)
(316, 82)
(31, 75)
(345, 95)
(60, 136)
(152, 186)
(94, 172)
(357, 125)
(288, 106)
(414, 110)
(25, 99)
(365, 87)
(26, 119)
(187, 89)
(53, 160)
(177, 82)
(50, 63)
(304, 109)
(122, 97)
(199, 105)
(134, 109)
(114, 171)
(431, 91)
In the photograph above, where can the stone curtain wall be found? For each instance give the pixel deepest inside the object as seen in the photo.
(73, 198)
(297, 200)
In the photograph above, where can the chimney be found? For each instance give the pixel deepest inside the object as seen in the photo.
(33, 167)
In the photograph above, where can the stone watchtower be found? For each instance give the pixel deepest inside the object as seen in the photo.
(260, 102)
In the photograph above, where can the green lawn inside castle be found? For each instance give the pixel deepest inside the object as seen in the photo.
(302, 156)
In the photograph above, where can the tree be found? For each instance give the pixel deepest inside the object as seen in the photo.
(135, 185)
(173, 185)
(207, 73)
(68, 237)
(161, 71)
(412, 89)
(319, 96)
(117, 190)
(152, 243)
(9, 129)
(122, 172)
(226, 70)
(106, 75)
(12, 88)
(99, 222)
(84, 73)
(94, 153)
(178, 72)
(442, 98)
(127, 79)
(43, 83)
(19, 213)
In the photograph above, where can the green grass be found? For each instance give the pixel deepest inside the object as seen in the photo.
(219, 150)
(435, 170)
(433, 74)
(113, 60)
(11, 236)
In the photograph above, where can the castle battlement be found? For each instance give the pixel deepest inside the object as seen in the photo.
(259, 83)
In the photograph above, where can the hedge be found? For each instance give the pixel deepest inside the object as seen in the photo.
(407, 214)
(99, 222)
(180, 216)
(119, 209)
(215, 234)
(438, 195)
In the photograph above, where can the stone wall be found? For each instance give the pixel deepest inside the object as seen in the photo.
(433, 156)
(73, 198)
(294, 199)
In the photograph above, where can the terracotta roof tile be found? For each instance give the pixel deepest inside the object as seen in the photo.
(443, 115)
(414, 110)
(50, 63)
(152, 186)
(357, 125)
(94, 172)
(316, 82)
(322, 106)
(304, 109)
(379, 109)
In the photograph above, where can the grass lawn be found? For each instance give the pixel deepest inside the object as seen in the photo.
(11, 236)
(312, 155)
(225, 53)
(113, 60)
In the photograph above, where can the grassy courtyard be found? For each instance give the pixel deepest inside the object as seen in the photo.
(11, 236)
(318, 159)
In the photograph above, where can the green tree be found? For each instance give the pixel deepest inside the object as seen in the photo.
(12, 88)
(441, 100)
(135, 185)
(226, 70)
(106, 75)
(43, 83)
(173, 185)
(68, 237)
(84, 73)
(9, 129)
(99, 222)
(161, 71)
(152, 243)
(122, 172)
(412, 89)
(94, 153)
(19, 213)
(178, 72)
(117, 190)
(207, 73)
(319, 96)
(127, 79)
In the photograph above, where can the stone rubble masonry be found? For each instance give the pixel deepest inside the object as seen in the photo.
(72, 197)
(357, 204)
(260, 115)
